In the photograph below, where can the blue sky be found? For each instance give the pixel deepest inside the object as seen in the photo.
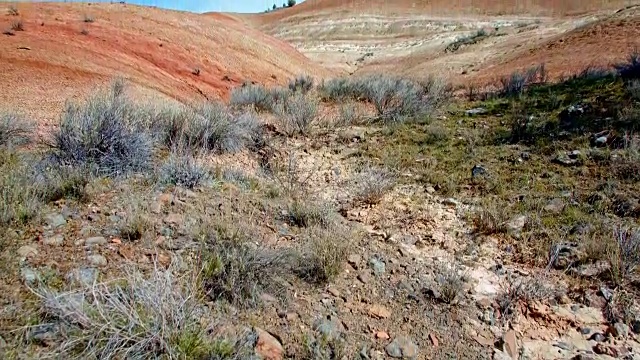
(244, 6)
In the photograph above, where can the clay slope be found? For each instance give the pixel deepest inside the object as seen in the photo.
(62, 53)
(445, 7)
(411, 37)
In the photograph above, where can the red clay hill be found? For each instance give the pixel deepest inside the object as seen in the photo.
(65, 50)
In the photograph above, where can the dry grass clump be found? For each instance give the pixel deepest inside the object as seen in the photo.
(14, 130)
(526, 290)
(104, 135)
(324, 252)
(624, 254)
(297, 115)
(139, 317)
(182, 170)
(450, 281)
(372, 183)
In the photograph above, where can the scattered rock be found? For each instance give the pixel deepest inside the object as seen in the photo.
(26, 251)
(509, 344)
(555, 206)
(354, 260)
(174, 219)
(566, 254)
(267, 346)
(516, 224)
(601, 141)
(635, 326)
(83, 276)
(402, 348)
(334, 292)
(377, 266)
(479, 170)
(602, 349)
(585, 331)
(97, 240)
(476, 111)
(525, 155)
(97, 260)
(450, 202)
(55, 240)
(575, 154)
(565, 160)
(430, 189)
(364, 277)
(619, 330)
(379, 311)
(434, 340)
(597, 337)
(564, 346)
(56, 220)
(382, 335)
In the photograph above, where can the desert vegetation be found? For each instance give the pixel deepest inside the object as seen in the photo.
(195, 227)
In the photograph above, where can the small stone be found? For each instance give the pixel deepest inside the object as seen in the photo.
(97, 260)
(364, 277)
(173, 219)
(382, 335)
(430, 190)
(564, 346)
(555, 206)
(354, 260)
(334, 292)
(601, 141)
(83, 276)
(379, 311)
(585, 331)
(510, 345)
(516, 224)
(377, 266)
(450, 202)
(27, 251)
(597, 337)
(478, 170)
(619, 330)
(635, 326)
(56, 240)
(476, 111)
(574, 154)
(434, 340)
(402, 348)
(602, 349)
(97, 240)
(56, 220)
(28, 275)
(267, 346)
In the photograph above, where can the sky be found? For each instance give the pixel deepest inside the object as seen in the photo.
(243, 6)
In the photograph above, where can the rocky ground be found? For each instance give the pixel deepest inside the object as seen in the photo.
(405, 265)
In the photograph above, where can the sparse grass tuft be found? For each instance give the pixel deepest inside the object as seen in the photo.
(524, 290)
(308, 214)
(103, 135)
(631, 68)
(17, 25)
(490, 220)
(13, 11)
(211, 127)
(302, 83)
(451, 282)
(634, 89)
(137, 317)
(517, 82)
(19, 200)
(257, 96)
(182, 170)
(624, 256)
(372, 183)
(324, 252)
(14, 130)
(136, 222)
(297, 115)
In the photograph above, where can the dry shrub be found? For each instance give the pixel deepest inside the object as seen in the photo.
(324, 252)
(372, 183)
(138, 317)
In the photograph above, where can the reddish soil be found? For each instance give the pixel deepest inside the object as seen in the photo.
(157, 50)
(600, 44)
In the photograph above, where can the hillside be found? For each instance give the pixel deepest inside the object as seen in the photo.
(67, 49)
(413, 37)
